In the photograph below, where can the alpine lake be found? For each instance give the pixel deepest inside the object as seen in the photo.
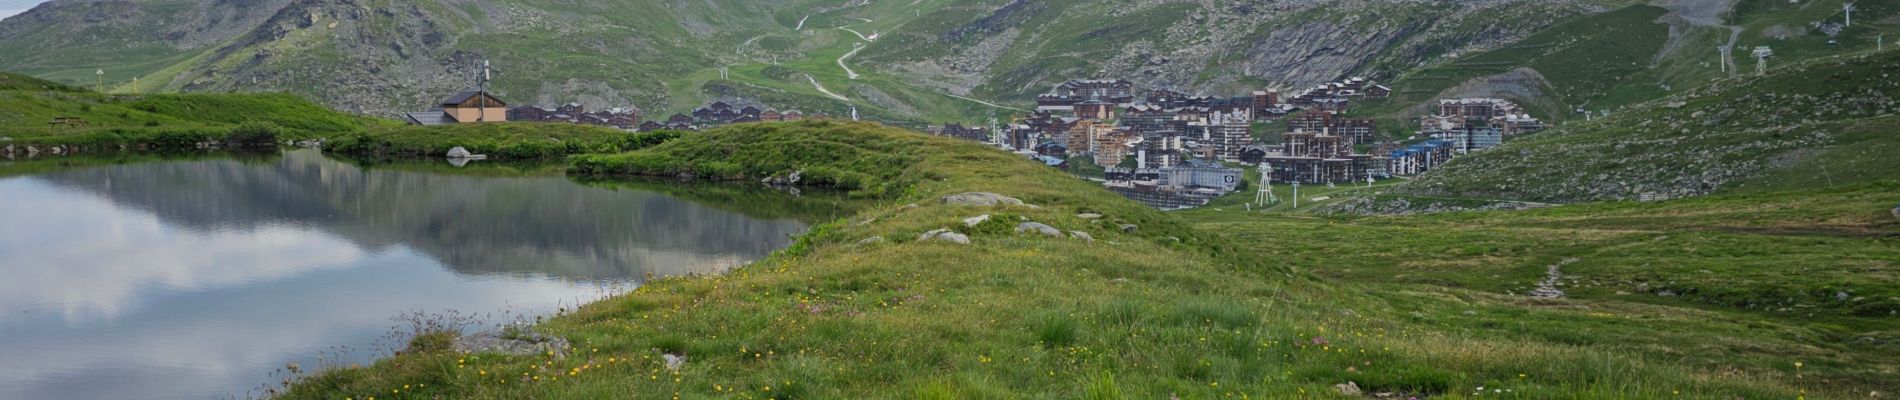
(213, 276)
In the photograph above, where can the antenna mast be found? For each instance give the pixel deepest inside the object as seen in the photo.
(482, 114)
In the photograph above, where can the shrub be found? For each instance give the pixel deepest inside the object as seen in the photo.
(254, 134)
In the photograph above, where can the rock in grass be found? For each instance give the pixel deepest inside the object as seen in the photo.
(1896, 212)
(516, 342)
(944, 235)
(1349, 389)
(1129, 228)
(1081, 235)
(1089, 216)
(871, 241)
(980, 199)
(974, 221)
(674, 362)
(1038, 227)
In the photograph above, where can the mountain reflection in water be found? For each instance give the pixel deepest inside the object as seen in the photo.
(194, 279)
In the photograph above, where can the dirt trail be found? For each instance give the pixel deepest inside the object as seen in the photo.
(822, 89)
(847, 69)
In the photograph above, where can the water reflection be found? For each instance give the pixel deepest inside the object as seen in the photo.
(192, 279)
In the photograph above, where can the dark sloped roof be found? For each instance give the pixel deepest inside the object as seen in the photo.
(431, 117)
(465, 95)
(460, 97)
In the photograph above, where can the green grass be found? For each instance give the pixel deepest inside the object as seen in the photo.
(502, 141)
(1202, 304)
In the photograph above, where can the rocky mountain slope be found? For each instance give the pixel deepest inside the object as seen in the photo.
(1823, 123)
(383, 57)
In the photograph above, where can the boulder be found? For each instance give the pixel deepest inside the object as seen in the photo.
(976, 220)
(1081, 235)
(944, 235)
(459, 152)
(1089, 216)
(1038, 227)
(980, 199)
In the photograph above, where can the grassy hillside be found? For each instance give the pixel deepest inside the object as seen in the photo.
(1196, 305)
(16, 82)
(1575, 63)
(503, 141)
(668, 56)
(161, 121)
(1824, 123)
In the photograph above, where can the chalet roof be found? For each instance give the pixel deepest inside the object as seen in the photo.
(465, 95)
(434, 116)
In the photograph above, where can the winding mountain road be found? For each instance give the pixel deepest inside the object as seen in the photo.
(822, 89)
(847, 69)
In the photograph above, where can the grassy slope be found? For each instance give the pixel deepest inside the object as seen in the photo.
(506, 141)
(1823, 123)
(1168, 309)
(1582, 60)
(26, 106)
(1741, 282)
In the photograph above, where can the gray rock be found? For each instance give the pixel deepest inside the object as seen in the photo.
(1896, 212)
(1129, 228)
(459, 152)
(787, 180)
(973, 221)
(519, 342)
(1349, 389)
(1081, 235)
(1089, 216)
(980, 199)
(674, 362)
(944, 235)
(871, 241)
(1038, 227)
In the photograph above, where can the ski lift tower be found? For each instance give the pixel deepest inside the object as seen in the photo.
(1265, 195)
(1762, 53)
(1849, 9)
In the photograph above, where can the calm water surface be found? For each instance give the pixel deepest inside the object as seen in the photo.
(196, 279)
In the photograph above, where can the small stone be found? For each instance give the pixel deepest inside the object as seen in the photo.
(973, 221)
(1349, 389)
(1129, 228)
(1038, 227)
(1081, 235)
(871, 241)
(674, 362)
(980, 199)
(1099, 216)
